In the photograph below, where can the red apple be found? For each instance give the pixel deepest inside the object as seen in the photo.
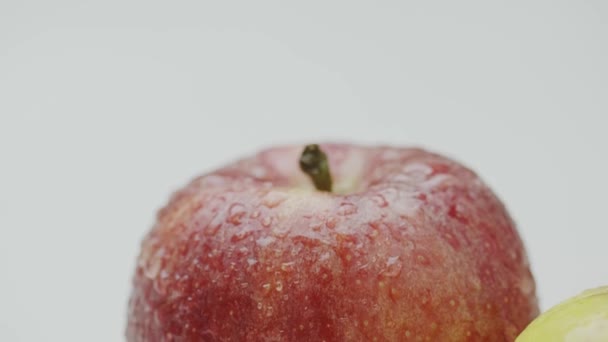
(407, 245)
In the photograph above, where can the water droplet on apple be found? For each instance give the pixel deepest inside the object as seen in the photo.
(526, 285)
(273, 199)
(266, 221)
(324, 256)
(315, 225)
(417, 171)
(393, 267)
(281, 230)
(152, 267)
(379, 200)
(242, 234)
(331, 222)
(347, 209)
(434, 181)
(287, 266)
(394, 294)
(213, 226)
(251, 261)
(279, 286)
(265, 241)
(452, 240)
(236, 213)
(422, 260)
(401, 178)
(475, 283)
(456, 212)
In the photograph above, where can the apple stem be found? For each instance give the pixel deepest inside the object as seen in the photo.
(313, 162)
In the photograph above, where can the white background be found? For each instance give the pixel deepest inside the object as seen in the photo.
(107, 107)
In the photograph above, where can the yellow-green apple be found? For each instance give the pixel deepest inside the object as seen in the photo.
(333, 243)
(583, 318)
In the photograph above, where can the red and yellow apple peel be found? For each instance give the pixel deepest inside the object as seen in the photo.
(336, 243)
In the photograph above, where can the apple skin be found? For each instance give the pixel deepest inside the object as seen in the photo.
(582, 318)
(410, 246)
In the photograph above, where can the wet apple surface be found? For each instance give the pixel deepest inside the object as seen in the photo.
(407, 245)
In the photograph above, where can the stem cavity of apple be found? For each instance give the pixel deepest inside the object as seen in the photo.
(313, 162)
